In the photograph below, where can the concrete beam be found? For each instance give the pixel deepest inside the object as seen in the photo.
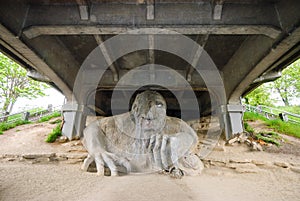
(238, 67)
(53, 51)
(105, 53)
(166, 13)
(217, 11)
(35, 31)
(267, 77)
(190, 69)
(151, 58)
(150, 9)
(265, 62)
(20, 49)
(106, 80)
(83, 9)
(96, 109)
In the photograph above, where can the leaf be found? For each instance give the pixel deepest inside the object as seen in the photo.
(15, 83)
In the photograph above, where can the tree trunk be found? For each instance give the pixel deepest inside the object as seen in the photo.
(12, 103)
(285, 101)
(6, 105)
(283, 95)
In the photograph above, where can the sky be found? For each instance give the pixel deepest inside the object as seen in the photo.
(53, 97)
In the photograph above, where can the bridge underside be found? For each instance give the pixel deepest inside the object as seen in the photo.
(249, 42)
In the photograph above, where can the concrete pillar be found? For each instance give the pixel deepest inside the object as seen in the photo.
(74, 120)
(233, 119)
(236, 118)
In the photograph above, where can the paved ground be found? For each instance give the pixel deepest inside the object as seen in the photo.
(33, 170)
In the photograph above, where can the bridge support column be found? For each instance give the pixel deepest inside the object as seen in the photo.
(74, 120)
(233, 119)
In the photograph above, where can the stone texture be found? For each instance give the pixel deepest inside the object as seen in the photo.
(35, 156)
(256, 146)
(246, 170)
(239, 160)
(281, 164)
(295, 164)
(220, 147)
(233, 140)
(258, 162)
(76, 156)
(73, 161)
(62, 139)
(295, 169)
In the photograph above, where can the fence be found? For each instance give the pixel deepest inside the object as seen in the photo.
(274, 113)
(30, 115)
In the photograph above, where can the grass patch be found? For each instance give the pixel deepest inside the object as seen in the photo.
(277, 124)
(251, 116)
(15, 117)
(248, 128)
(291, 109)
(55, 121)
(56, 132)
(6, 126)
(284, 127)
(48, 117)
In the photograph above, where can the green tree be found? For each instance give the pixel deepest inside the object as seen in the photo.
(15, 84)
(288, 86)
(260, 96)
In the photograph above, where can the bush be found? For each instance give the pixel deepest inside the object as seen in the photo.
(56, 132)
(269, 137)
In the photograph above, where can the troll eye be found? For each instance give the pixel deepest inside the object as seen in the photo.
(159, 104)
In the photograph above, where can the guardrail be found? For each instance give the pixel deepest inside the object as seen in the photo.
(274, 113)
(30, 115)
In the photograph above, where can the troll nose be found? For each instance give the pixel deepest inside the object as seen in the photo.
(148, 115)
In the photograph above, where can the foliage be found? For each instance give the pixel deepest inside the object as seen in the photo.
(288, 85)
(291, 109)
(48, 117)
(278, 125)
(15, 84)
(6, 125)
(56, 132)
(260, 96)
(269, 137)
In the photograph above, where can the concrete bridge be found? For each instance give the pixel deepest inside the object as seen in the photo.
(99, 53)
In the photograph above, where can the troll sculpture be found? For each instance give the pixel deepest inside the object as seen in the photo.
(142, 140)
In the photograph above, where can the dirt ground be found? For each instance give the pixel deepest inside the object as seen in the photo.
(31, 169)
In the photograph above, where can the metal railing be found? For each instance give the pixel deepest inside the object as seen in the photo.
(33, 114)
(274, 113)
